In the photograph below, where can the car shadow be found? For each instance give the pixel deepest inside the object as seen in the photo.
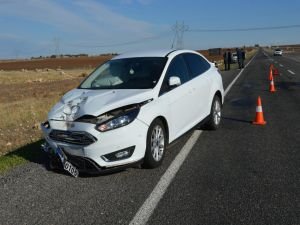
(33, 153)
(30, 152)
(236, 120)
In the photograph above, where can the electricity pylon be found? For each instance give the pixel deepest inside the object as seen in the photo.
(179, 29)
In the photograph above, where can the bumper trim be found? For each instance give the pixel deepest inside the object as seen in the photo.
(92, 168)
(86, 165)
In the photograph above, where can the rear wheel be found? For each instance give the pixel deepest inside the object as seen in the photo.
(156, 145)
(214, 120)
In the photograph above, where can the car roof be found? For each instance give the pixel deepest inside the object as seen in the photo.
(154, 53)
(149, 53)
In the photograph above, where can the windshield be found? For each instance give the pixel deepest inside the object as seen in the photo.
(129, 73)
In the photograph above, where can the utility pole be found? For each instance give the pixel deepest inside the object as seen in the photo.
(179, 29)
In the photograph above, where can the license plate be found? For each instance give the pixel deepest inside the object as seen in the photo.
(67, 165)
(71, 169)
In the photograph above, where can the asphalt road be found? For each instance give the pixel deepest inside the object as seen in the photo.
(240, 174)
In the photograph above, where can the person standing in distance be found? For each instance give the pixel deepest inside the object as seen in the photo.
(241, 57)
(227, 59)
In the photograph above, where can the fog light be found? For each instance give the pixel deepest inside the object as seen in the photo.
(119, 155)
(122, 154)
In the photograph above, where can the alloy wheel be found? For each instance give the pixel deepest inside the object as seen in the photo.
(157, 143)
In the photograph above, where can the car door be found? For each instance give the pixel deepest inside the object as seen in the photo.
(200, 84)
(177, 99)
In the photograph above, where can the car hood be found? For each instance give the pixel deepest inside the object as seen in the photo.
(79, 102)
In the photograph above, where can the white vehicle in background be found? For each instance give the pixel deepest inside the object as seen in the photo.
(234, 57)
(130, 108)
(277, 52)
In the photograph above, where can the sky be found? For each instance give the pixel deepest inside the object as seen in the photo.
(46, 27)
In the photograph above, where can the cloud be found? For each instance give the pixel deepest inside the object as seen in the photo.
(9, 37)
(46, 12)
(107, 19)
(78, 24)
(84, 18)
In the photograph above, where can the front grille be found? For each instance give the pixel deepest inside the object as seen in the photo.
(72, 137)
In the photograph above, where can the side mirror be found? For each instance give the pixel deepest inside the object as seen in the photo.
(174, 81)
(215, 63)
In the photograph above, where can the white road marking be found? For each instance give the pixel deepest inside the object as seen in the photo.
(151, 202)
(281, 65)
(291, 72)
(148, 207)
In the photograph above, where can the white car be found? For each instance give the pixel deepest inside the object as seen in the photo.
(277, 52)
(234, 57)
(130, 108)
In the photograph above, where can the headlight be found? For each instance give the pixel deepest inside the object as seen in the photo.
(119, 121)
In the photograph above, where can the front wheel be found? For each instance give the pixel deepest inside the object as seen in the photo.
(214, 120)
(156, 145)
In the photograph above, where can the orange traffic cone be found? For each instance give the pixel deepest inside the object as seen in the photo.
(271, 74)
(272, 86)
(259, 118)
(271, 66)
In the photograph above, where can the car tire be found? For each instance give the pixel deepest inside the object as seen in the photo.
(156, 145)
(51, 163)
(214, 119)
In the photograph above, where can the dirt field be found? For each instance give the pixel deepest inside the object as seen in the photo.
(67, 63)
(76, 62)
(55, 63)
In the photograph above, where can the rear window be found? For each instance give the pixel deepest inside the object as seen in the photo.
(197, 64)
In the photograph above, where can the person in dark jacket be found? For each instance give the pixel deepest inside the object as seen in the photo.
(241, 57)
(227, 59)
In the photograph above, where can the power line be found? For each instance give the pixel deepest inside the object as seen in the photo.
(246, 29)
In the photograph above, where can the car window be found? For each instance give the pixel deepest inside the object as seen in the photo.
(176, 68)
(127, 73)
(196, 64)
(179, 69)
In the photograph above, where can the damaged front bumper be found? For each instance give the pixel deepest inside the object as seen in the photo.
(58, 155)
(76, 165)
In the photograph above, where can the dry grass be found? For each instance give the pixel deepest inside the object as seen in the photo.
(25, 99)
(39, 75)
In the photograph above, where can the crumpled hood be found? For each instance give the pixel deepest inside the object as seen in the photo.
(79, 102)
